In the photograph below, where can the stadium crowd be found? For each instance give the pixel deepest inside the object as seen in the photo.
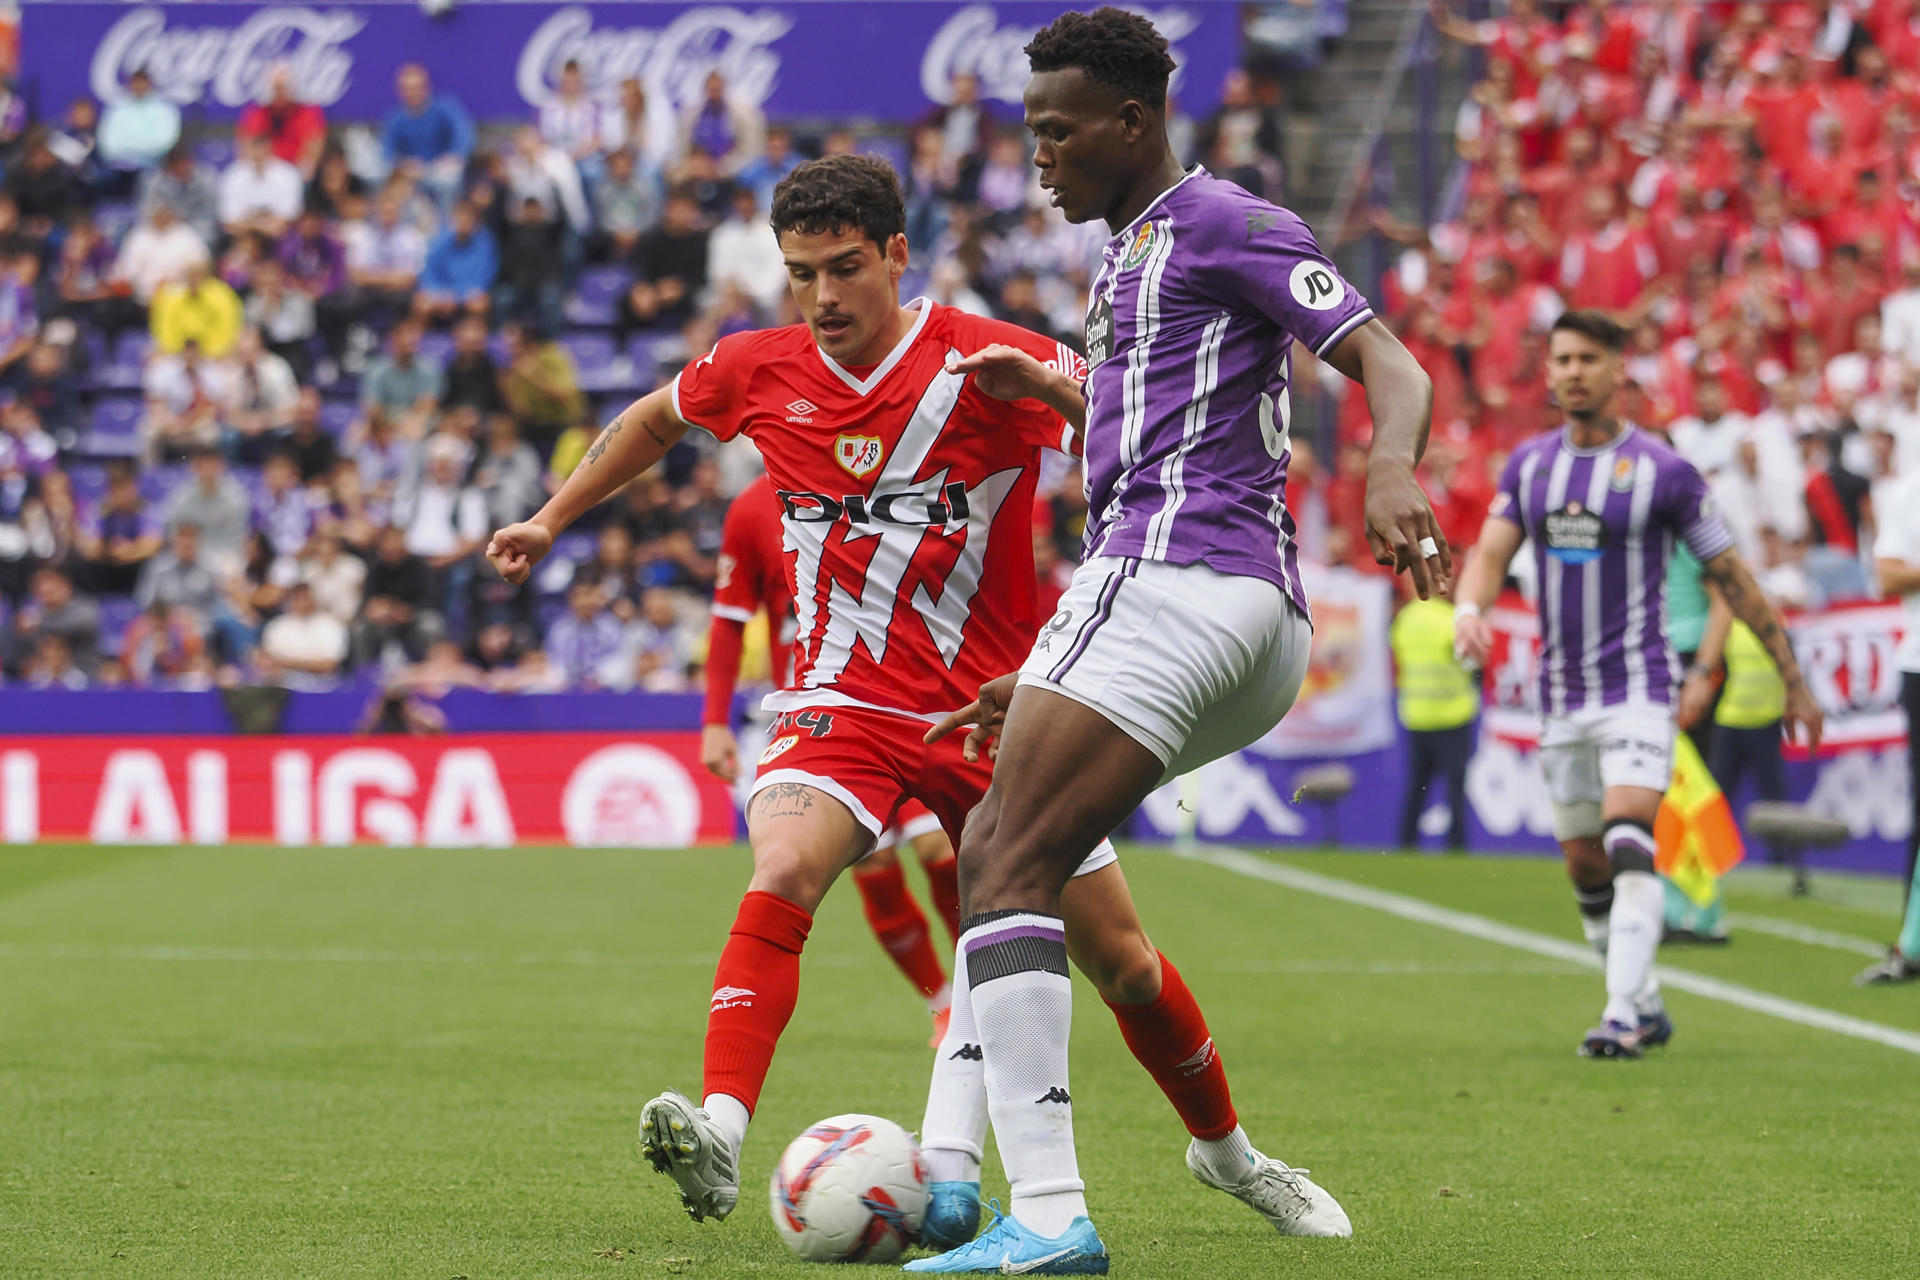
(1738, 185)
(265, 397)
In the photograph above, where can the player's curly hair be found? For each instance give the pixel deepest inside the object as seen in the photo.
(838, 193)
(1593, 324)
(1119, 49)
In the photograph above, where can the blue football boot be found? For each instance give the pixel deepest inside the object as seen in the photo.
(1007, 1248)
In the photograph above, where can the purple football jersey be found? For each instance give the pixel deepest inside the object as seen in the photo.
(1190, 325)
(1602, 523)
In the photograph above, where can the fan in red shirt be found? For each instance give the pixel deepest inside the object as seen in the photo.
(298, 129)
(752, 578)
(906, 487)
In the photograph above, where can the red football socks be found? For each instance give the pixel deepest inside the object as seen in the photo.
(1171, 1040)
(901, 927)
(943, 881)
(754, 991)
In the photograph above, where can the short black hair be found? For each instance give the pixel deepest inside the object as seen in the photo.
(1593, 324)
(839, 193)
(1118, 49)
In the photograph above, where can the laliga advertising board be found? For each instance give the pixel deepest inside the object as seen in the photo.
(643, 791)
(501, 59)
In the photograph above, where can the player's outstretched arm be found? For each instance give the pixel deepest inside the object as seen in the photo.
(631, 443)
(1401, 527)
(1008, 373)
(1731, 577)
(1479, 587)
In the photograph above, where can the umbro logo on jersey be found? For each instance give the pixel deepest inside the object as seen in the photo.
(968, 1053)
(802, 411)
(909, 508)
(732, 998)
(1055, 1094)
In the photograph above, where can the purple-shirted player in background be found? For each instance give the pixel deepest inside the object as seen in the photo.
(1184, 635)
(1602, 503)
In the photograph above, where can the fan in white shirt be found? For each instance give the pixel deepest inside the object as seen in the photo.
(260, 191)
(159, 252)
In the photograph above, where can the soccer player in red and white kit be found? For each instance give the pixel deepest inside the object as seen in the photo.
(752, 578)
(907, 491)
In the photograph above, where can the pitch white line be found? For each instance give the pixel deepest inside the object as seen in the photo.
(1812, 937)
(1806, 1015)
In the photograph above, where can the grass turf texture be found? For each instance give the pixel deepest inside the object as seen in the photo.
(247, 1062)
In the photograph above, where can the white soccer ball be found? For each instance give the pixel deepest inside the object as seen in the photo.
(850, 1189)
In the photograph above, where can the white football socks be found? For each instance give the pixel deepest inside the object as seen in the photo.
(953, 1133)
(1230, 1159)
(1639, 912)
(1023, 1006)
(730, 1114)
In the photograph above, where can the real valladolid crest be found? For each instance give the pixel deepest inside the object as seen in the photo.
(228, 64)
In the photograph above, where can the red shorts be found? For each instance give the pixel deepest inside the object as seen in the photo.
(875, 763)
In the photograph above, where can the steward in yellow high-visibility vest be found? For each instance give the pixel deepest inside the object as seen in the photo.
(1747, 742)
(1438, 700)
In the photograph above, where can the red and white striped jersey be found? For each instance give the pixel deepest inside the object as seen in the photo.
(906, 502)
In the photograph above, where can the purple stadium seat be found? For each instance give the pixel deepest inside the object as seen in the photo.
(436, 347)
(158, 482)
(597, 296)
(217, 152)
(337, 415)
(599, 362)
(117, 417)
(89, 484)
(114, 220)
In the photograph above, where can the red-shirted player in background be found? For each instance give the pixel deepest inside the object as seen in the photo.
(907, 490)
(753, 577)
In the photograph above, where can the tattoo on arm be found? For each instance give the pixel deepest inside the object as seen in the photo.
(599, 446)
(782, 800)
(1730, 574)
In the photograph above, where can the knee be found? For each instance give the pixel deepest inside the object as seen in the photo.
(999, 873)
(1125, 969)
(783, 869)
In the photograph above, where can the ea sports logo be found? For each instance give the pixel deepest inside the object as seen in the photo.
(1315, 287)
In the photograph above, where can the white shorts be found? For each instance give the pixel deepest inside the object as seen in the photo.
(1191, 663)
(1103, 856)
(1587, 752)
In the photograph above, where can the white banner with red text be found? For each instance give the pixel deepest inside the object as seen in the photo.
(643, 790)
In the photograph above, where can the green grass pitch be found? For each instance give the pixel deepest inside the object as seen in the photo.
(249, 1062)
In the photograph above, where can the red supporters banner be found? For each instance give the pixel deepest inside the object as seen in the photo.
(487, 790)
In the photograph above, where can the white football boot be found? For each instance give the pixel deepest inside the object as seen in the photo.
(1291, 1201)
(682, 1141)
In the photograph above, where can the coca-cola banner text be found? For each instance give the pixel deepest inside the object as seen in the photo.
(502, 59)
(485, 790)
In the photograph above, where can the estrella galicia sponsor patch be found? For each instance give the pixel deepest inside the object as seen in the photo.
(1575, 535)
(778, 747)
(1140, 246)
(1100, 332)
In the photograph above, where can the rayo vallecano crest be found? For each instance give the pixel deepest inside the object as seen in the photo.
(858, 454)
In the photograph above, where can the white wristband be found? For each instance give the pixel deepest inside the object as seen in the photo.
(1465, 611)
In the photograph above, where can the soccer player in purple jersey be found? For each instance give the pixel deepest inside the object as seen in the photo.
(1184, 634)
(1602, 503)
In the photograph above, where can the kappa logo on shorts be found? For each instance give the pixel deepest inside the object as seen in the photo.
(1055, 625)
(778, 748)
(858, 455)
